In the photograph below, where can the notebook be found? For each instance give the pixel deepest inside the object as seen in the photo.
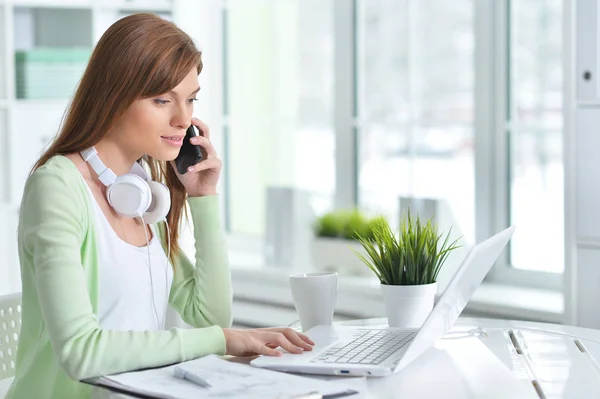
(228, 379)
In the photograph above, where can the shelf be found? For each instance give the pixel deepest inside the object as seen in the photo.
(42, 102)
(41, 120)
(53, 3)
(10, 281)
(9, 207)
(52, 27)
(3, 49)
(137, 5)
(159, 6)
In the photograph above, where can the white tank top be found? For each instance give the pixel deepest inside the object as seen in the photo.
(126, 289)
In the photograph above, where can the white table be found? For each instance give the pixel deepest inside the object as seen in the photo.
(479, 360)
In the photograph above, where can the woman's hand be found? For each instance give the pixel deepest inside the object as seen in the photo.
(201, 179)
(263, 341)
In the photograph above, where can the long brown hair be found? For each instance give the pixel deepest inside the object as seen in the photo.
(139, 56)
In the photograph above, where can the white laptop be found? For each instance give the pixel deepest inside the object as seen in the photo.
(365, 351)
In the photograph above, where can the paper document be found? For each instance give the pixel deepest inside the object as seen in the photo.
(227, 379)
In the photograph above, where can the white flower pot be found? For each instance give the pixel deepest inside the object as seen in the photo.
(407, 306)
(337, 255)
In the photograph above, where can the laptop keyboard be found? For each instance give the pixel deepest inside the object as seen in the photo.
(369, 347)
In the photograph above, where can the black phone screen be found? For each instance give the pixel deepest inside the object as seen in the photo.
(189, 154)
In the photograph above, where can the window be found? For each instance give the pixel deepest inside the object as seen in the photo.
(519, 173)
(362, 103)
(278, 105)
(416, 106)
(536, 157)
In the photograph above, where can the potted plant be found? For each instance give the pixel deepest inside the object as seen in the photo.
(335, 241)
(407, 266)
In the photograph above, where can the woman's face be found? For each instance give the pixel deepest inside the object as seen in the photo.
(156, 125)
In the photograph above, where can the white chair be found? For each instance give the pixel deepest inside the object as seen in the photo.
(10, 327)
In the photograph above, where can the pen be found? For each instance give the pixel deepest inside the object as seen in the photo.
(318, 395)
(196, 379)
(347, 392)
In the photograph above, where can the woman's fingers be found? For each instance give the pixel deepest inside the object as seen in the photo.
(289, 331)
(214, 163)
(265, 350)
(265, 341)
(297, 339)
(203, 127)
(284, 342)
(305, 338)
(206, 144)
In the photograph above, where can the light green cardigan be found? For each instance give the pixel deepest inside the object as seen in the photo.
(61, 341)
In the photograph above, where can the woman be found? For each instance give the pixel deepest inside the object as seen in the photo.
(96, 280)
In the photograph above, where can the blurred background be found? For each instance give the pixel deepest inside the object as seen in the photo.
(453, 108)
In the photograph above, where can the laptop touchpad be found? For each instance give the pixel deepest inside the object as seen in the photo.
(322, 342)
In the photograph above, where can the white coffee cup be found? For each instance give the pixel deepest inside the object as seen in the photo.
(314, 297)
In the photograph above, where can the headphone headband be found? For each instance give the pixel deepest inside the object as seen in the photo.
(106, 175)
(132, 197)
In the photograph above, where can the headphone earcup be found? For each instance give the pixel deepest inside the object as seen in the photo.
(129, 195)
(160, 204)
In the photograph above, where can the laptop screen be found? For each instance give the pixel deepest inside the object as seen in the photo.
(461, 288)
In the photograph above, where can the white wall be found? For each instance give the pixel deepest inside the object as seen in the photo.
(582, 164)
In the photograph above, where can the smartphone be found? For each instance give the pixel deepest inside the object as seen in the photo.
(189, 154)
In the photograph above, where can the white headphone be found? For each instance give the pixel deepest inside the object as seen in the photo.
(132, 194)
(135, 195)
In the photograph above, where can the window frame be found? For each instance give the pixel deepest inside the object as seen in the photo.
(492, 137)
(492, 128)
